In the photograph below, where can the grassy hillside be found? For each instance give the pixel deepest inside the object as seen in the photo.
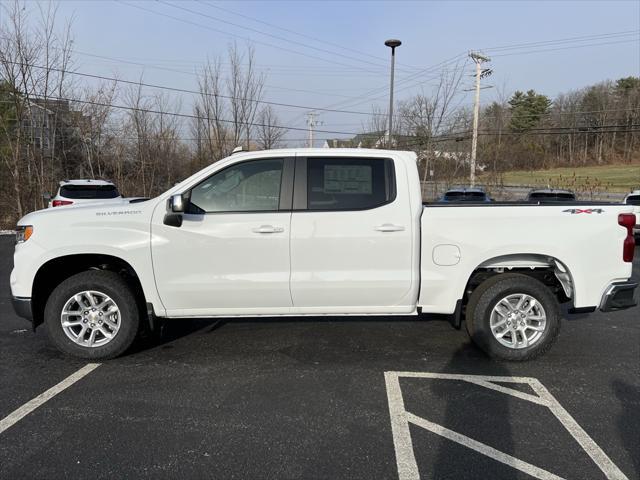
(615, 178)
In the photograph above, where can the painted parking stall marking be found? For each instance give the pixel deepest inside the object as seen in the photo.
(36, 402)
(401, 418)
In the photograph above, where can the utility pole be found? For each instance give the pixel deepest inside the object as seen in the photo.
(480, 73)
(312, 122)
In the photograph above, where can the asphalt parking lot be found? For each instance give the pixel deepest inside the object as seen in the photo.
(357, 398)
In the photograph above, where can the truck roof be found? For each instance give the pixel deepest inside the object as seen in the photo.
(85, 181)
(326, 152)
(466, 190)
(551, 191)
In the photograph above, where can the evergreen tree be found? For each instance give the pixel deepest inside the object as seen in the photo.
(527, 109)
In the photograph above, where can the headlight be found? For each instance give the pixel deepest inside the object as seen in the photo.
(23, 233)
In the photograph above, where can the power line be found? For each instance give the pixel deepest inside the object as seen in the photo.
(564, 40)
(196, 92)
(563, 48)
(385, 87)
(193, 74)
(452, 136)
(552, 114)
(183, 115)
(210, 5)
(277, 37)
(288, 105)
(155, 12)
(548, 43)
(348, 101)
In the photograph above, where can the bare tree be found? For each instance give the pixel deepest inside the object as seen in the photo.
(33, 61)
(375, 128)
(269, 133)
(211, 127)
(245, 87)
(140, 121)
(96, 112)
(425, 117)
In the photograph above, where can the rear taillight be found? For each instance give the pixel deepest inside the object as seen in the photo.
(628, 220)
(60, 203)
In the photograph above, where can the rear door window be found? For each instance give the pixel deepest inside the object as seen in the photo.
(89, 192)
(349, 183)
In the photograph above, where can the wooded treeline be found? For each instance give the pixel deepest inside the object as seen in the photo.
(53, 127)
(56, 124)
(594, 125)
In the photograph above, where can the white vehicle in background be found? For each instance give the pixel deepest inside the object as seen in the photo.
(85, 191)
(634, 199)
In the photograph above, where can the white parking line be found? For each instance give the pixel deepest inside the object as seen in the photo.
(34, 403)
(483, 448)
(400, 419)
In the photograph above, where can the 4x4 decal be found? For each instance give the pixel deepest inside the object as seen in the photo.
(586, 210)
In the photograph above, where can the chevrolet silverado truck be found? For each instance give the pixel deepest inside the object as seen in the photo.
(315, 232)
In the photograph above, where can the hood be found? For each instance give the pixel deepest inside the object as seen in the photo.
(87, 212)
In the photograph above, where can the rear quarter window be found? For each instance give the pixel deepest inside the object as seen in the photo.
(633, 200)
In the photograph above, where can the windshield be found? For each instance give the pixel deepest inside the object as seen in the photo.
(559, 196)
(465, 196)
(86, 192)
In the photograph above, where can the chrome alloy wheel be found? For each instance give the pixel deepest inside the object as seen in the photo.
(90, 319)
(518, 321)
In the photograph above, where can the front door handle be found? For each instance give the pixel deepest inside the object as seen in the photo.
(268, 229)
(389, 227)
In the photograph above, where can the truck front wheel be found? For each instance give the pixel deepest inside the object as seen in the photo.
(92, 315)
(513, 317)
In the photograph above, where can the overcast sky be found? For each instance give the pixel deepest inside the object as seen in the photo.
(332, 52)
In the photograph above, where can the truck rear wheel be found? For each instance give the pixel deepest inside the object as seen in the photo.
(92, 315)
(513, 317)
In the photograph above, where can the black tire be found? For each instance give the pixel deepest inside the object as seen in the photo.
(112, 285)
(485, 298)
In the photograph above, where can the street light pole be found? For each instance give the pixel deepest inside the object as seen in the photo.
(392, 43)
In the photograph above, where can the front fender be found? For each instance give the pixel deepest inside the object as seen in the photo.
(96, 230)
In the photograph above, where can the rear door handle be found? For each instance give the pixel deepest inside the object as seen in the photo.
(389, 227)
(268, 229)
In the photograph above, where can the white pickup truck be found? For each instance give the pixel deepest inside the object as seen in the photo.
(308, 232)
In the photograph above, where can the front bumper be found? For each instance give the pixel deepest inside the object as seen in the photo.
(618, 296)
(22, 307)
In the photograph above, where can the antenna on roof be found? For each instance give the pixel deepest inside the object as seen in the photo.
(238, 149)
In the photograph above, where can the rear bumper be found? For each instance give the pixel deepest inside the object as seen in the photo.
(22, 307)
(618, 296)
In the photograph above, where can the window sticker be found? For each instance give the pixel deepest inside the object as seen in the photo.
(354, 179)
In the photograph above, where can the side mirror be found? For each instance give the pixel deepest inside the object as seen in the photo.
(177, 203)
(46, 197)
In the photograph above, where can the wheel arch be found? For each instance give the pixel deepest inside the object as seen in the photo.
(545, 268)
(54, 271)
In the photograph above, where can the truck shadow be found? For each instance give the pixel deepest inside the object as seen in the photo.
(462, 414)
(628, 421)
(168, 331)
